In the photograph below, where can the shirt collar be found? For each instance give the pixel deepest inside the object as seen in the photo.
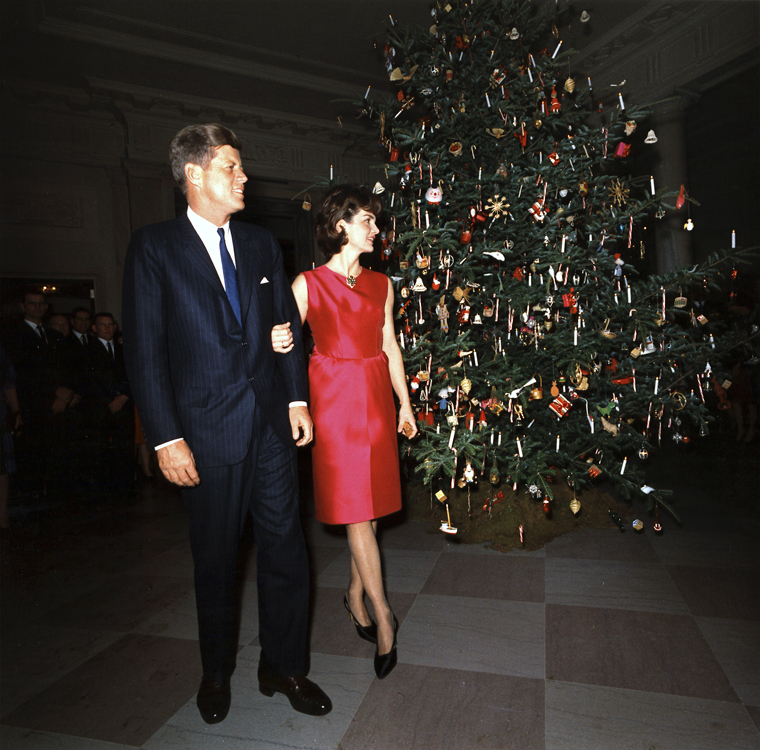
(204, 227)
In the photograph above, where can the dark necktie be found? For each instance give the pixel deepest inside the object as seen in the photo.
(41, 331)
(230, 277)
(110, 350)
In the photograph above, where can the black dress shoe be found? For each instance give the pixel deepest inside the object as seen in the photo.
(213, 700)
(384, 664)
(369, 633)
(304, 695)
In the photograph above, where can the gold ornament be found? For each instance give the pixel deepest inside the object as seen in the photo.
(459, 294)
(569, 85)
(575, 506)
(494, 477)
(618, 192)
(679, 399)
(466, 385)
(609, 427)
(497, 206)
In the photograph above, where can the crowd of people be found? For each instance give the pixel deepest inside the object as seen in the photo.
(69, 426)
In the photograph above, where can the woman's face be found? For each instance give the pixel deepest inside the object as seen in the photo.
(360, 231)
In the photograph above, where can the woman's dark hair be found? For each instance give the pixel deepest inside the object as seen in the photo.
(342, 202)
(196, 144)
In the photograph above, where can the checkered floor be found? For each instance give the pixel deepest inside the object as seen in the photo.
(600, 641)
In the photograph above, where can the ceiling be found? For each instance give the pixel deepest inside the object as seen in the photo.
(298, 57)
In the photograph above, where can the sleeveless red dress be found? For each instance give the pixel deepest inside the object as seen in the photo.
(355, 454)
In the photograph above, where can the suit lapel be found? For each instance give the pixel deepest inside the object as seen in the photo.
(195, 252)
(248, 271)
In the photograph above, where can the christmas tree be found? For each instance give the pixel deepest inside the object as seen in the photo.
(535, 351)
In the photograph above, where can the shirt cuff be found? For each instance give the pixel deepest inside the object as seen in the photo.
(296, 403)
(169, 442)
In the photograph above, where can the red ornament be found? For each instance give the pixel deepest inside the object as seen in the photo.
(560, 406)
(568, 300)
(547, 507)
(681, 197)
(538, 210)
(623, 149)
(555, 105)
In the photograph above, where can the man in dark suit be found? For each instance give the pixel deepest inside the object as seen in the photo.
(224, 411)
(112, 413)
(43, 393)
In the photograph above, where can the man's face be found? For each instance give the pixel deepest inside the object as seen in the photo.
(34, 307)
(81, 322)
(220, 185)
(60, 323)
(105, 328)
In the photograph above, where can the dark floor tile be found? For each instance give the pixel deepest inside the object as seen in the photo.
(332, 630)
(396, 532)
(34, 656)
(487, 577)
(603, 544)
(125, 694)
(320, 558)
(590, 717)
(423, 708)
(718, 592)
(654, 652)
(121, 604)
(754, 712)
(736, 645)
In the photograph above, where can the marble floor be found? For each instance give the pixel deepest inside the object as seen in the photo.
(602, 640)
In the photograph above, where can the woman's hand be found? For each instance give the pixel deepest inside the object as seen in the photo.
(406, 417)
(282, 338)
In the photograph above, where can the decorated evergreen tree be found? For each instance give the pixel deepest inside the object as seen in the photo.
(535, 351)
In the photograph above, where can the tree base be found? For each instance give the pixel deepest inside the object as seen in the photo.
(501, 528)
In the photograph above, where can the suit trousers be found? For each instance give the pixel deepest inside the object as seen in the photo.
(266, 484)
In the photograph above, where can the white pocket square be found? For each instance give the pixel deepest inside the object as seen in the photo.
(265, 280)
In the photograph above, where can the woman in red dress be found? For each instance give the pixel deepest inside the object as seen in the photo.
(354, 370)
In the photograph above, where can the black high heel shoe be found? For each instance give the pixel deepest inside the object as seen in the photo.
(384, 664)
(368, 633)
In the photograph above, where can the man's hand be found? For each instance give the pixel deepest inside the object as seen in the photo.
(300, 421)
(62, 397)
(64, 393)
(282, 338)
(59, 405)
(177, 464)
(117, 403)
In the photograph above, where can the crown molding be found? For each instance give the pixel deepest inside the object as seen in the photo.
(201, 41)
(667, 45)
(200, 58)
(283, 125)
